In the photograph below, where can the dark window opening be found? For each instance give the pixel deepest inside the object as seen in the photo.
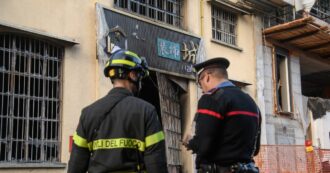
(316, 84)
(149, 91)
(165, 95)
(283, 84)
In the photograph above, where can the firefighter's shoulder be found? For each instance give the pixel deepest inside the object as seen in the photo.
(139, 103)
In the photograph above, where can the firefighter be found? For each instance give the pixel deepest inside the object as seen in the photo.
(227, 123)
(120, 132)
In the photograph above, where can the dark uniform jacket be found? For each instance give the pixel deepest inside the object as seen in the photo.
(227, 123)
(117, 140)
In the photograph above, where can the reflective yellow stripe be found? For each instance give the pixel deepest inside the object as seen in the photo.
(80, 141)
(154, 138)
(132, 54)
(123, 61)
(116, 143)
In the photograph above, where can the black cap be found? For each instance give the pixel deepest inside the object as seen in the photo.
(219, 62)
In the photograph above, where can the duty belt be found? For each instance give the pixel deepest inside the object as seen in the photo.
(235, 168)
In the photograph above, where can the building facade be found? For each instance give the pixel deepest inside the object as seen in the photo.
(293, 70)
(293, 63)
(52, 55)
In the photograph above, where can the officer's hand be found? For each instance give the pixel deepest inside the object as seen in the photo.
(186, 145)
(185, 141)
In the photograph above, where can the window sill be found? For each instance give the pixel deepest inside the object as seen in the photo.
(286, 114)
(227, 45)
(32, 165)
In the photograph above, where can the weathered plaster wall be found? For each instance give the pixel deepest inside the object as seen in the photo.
(321, 132)
(279, 129)
(242, 63)
(73, 19)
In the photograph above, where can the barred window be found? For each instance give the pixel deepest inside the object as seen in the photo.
(30, 83)
(166, 11)
(321, 10)
(280, 15)
(224, 26)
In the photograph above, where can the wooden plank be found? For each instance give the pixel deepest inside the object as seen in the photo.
(327, 56)
(299, 37)
(292, 33)
(285, 30)
(319, 46)
(288, 25)
(304, 54)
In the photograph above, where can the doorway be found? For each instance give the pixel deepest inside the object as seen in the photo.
(165, 95)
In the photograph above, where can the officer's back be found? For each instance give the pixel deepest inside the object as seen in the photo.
(227, 122)
(237, 135)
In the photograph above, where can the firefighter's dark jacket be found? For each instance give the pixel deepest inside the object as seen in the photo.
(130, 129)
(227, 124)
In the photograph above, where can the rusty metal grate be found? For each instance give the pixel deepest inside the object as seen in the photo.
(30, 83)
(171, 120)
(166, 11)
(224, 25)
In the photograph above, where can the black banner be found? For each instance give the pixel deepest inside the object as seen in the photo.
(164, 49)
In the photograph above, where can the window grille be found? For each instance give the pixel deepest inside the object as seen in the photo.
(321, 10)
(224, 26)
(30, 100)
(166, 11)
(280, 15)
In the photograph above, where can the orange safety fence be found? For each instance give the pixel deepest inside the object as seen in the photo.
(292, 159)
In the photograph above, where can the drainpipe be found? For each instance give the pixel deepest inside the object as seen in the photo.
(201, 5)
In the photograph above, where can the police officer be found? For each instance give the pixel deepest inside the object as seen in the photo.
(227, 123)
(119, 132)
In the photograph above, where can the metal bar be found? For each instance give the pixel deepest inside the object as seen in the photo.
(36, 86)
(11, 107)
(43, 107)
(165, 10)
(34, 54)
(31, 118)
(28, 104)
(2, 100)
(59, 113)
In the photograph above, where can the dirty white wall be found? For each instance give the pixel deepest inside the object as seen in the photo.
(304, 5)
(261, 73)
(279, 129)
(72, 19)
(321, 132)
